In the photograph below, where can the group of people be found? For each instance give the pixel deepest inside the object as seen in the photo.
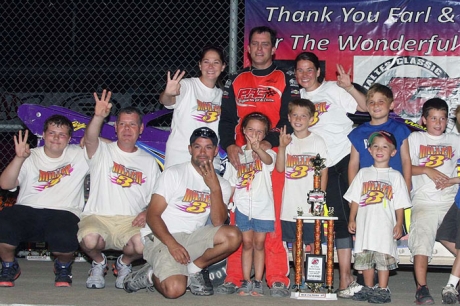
(176, 220)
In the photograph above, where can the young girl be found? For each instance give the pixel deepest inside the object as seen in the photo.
(253, 198)
(196, 103)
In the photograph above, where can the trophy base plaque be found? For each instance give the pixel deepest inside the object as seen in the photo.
(314, 296)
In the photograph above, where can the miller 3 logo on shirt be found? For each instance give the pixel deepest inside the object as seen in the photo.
(375, 192)
(197, 201)
(126, 177)
(300, 165)
(209, 112)
(434, 156)
(53, 177)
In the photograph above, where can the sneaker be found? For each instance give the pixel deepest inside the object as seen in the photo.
(449, 295)
(197, 285)
(227, 288)
(63, 274)
(380, 296)
(140, 279)
(10, 272)
(364, 294)
(350, 291)
(257, 289)
(207, 280)
(120, 270)
(246, 288)
(96, 275)
(279, 289)
(423, 296)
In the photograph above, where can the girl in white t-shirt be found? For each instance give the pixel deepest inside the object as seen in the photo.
(253, 197)
(196, 103)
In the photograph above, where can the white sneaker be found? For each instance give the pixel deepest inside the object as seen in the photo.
(120, 270)
(449, 295)
(350, 291)
(97, 272)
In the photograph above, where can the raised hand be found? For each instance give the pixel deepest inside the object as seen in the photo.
(173, 84)
(344, 78)
(103, 105)
(208, 174)
(21, 146)
(253, 140)
(285, 139)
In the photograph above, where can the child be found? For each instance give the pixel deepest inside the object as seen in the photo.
(294, 154)
(373, 195)
(253, 197)
(434, 157)
(379, 102)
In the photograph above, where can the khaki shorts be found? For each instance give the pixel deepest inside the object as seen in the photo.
(425, 221)
(115, 230)
(196, 243)
(366, 260)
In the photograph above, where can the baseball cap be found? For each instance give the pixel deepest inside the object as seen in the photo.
(387, 135)
(204, 132)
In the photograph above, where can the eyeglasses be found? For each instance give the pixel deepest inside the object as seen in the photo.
(204, 132)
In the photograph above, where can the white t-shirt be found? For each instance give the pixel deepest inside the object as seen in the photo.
(53, 183)
(331, 121)
(299, 173)
(121, 183)
(438, 152)
(188, 198)
(196, 106)
(379, 192)
(253, 186)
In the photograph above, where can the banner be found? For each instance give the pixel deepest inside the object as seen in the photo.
(412, 46)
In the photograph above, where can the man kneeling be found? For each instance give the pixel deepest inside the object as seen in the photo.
(181, 245)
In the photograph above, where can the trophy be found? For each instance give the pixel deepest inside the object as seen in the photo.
(317, 197)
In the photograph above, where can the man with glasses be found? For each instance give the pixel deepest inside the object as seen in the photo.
(179, 244)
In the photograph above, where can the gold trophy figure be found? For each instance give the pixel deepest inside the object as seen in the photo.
(317, 197)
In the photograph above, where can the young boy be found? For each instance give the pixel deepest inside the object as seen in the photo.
(379, 102)
(434, 157)
(373, 195)
(294, 154)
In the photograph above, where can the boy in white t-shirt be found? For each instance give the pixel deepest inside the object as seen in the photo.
(434, 157)
(294, 154)
(373, 195)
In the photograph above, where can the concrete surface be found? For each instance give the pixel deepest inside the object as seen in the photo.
(35, 286)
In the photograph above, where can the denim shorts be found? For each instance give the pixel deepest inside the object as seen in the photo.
(260, 226)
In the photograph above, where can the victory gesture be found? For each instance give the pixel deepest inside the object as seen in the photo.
(173, 85)
(103, 106)
(344, 78)
(285, 139)
(21, 146)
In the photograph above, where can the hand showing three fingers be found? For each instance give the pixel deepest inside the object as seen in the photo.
(173, 84)
(21, 146)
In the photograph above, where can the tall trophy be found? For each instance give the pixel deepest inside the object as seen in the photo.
(319, 269)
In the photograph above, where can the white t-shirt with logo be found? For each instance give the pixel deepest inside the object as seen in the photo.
(253, 186)
(299, 173)
(121, 183)
(379, 192)
(53, 183)
(188, 198)
(437, 152)
(331, 121)
(196, 106)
